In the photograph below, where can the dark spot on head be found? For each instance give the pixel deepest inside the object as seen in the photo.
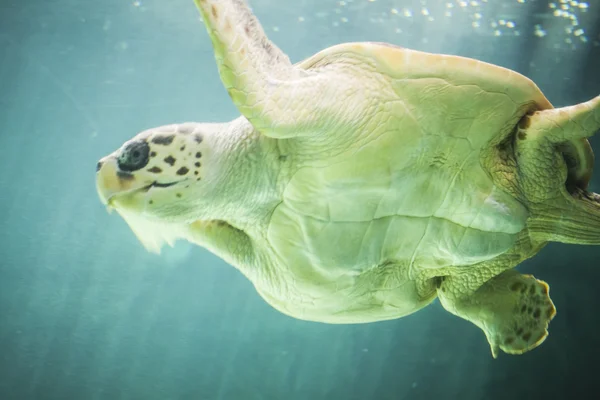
(151, 202)
(268, 47)
(152, 154)
(283, 158)
(532, 289)
(247, 30)
(198, 154)
(197, 163)
(522, 135)
(186, 129)
(134, 156)
(198, 138)
(163, 140)
(519, 331)
(98, 166)
(213, 10)
(155, 170)
(182, 171)
(526, 336)
(125, 176)
(170, 160)
(523, 309)
(198, 178)
(537, 313)
(509, 340)
(182, 148)
(178, 195)
(195, 172)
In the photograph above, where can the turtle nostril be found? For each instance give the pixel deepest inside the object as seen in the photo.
(98, 166)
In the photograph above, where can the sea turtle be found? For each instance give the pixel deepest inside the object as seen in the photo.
(365, 181)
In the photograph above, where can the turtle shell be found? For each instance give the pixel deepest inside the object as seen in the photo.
(410, 187)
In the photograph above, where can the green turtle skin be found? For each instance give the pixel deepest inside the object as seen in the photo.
(362, 183)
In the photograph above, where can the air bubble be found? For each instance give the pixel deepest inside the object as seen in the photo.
(539, 31)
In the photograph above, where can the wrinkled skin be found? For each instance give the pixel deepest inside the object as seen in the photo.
(366, 181)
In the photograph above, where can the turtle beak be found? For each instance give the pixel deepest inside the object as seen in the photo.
(111, 181)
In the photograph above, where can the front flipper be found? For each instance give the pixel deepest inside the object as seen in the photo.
(231, 244)
(512, 309)
(280, 100)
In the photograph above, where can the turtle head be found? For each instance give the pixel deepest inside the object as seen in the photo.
(555, 163)
(162, 180)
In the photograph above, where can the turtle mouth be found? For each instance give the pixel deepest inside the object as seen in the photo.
(143, 189)
(159, 185)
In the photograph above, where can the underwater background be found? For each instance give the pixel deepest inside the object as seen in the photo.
(87, 313)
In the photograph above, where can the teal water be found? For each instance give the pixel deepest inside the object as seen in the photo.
(87, 313)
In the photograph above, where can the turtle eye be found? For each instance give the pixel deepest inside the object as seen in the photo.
(133, 156)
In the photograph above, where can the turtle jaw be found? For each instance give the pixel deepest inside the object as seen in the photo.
(114, 185)
(111, 182)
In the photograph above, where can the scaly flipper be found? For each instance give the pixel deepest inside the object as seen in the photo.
(512, 309)
(232, 245)
(280, 100)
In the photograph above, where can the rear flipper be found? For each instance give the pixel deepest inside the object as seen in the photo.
(512, 309)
